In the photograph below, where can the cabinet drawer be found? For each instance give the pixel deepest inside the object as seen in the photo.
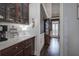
(10, 51)
(28, 50)
(23, 48)
(20, 53)
(28, 42)
(21, 45)
(13, 50)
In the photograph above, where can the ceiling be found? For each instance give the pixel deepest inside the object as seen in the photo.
(52, 9)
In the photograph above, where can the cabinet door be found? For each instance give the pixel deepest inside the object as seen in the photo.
(2, 11)
(13, 50)
(28, 51)
(10, 12)
(22, 13)
(20, 53)
(33, 46)
(19, 18)
(26, 13)
(14, 12)
(10, 51)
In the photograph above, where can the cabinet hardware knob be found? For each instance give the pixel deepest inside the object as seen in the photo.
(16, 47)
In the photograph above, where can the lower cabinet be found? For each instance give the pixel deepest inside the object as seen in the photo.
(20, 53)
(24, 48)
(28, 51)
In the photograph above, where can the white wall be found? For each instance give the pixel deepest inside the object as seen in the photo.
(52, 9)
(34, 12)
(55, 9)
(48, 9)
(70, 29)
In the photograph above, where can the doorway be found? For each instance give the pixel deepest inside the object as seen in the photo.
(51, 46)
(51, 30)
(55, 29)
(53, 49)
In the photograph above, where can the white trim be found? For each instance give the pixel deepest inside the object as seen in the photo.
(61, 30)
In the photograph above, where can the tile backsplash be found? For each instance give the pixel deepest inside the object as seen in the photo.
(16, 30)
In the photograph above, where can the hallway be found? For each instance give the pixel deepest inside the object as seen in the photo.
(53, 49)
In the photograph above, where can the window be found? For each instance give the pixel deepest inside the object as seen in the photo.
(55, 28)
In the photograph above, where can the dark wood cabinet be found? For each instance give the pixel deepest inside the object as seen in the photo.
(10, 51)
(24, 48)
(20, 53)
(28, 51)
(14, 13)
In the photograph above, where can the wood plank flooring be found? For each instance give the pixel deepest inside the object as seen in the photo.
(52, 49)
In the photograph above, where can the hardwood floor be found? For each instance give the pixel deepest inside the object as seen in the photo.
(52, 49)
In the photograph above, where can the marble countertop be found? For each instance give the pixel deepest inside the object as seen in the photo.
(13, 41)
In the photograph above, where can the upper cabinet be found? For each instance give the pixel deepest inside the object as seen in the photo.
(10, 12)
(25, 12)
(2, 11)
(14, 12)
